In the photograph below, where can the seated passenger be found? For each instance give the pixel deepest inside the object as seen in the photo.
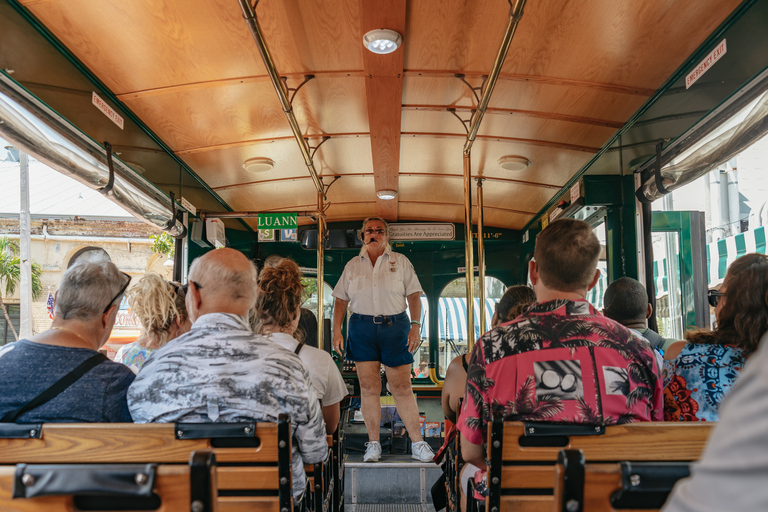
(561, 360)
(276, 316)
(86, 307)
(626, 301)
(514, 301)
(220, 371)
(306, 332)
(159, 305)
(707, 364)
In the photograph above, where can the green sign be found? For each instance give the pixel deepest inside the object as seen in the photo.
(277, 221)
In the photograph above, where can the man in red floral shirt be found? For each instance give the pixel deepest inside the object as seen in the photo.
(561, 361)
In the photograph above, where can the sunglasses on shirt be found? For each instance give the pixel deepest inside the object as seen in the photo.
(713, 296)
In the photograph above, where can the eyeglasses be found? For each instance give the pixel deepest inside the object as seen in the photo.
(185, 287)
(122, 291)
(713, 296)
(372, 231)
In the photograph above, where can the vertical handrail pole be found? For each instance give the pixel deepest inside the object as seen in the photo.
(515, 14)
(320, 268)
(469, 251)
(481, 254)
(250, 17)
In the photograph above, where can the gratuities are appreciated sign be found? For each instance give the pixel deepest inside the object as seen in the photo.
(401, 232)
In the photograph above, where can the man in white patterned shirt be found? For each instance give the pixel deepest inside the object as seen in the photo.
(220, 371)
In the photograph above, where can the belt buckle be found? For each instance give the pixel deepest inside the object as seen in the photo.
(381, 317)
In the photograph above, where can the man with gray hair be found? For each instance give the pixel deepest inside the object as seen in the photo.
(58, 375)
(220, 371)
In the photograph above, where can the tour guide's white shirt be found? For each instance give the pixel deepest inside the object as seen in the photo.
(377, 290)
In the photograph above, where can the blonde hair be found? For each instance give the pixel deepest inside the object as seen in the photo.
(158, 304)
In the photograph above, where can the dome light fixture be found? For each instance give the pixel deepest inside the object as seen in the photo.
(258, 164)
(386, 194)
(514, 163)
(382, 41)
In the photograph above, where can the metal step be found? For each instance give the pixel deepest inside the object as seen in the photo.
(393, 481)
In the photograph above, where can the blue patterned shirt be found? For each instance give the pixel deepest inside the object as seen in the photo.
(220, 371)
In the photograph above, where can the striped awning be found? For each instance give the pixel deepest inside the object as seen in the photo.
(452, 317)
(720, 254)
(595, 295)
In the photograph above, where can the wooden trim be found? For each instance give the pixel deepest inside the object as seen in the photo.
(495, 138)
(645, 441)
(621, 89)
(443, 203)
(524, 113)
(226, 82)
(251, 142)
(409, 174)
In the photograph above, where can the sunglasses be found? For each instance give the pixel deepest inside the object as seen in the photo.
(122, 291)
(185, 287)
(178, 288)
(713, 296)
(372, 231)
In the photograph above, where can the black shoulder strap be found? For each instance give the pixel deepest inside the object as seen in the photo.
(53, 391)
(464, 363)
(298, 348)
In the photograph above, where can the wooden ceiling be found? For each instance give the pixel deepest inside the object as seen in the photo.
(576, 71)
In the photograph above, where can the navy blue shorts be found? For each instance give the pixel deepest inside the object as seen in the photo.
(387, 344)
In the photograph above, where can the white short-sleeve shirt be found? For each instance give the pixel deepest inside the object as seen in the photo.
(326, 377)
(380, 289)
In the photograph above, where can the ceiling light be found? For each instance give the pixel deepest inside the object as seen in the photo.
(387, 194)
(514, 163)
(258, 164)
(382, 41)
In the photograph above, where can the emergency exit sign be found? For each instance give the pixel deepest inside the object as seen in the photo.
(277, 221)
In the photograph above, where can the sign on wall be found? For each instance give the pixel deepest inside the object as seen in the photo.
(422, 232)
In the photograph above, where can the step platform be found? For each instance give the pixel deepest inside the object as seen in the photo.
(393, 480)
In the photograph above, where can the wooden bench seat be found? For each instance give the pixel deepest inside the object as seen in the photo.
(253, 459)
(69, 487)
(522, 456)
(606, 487)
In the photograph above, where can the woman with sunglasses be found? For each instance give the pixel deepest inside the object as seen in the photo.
(703, 368)
(160, 307)
(378, 285)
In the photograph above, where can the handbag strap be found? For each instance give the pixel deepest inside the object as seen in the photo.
(53, 391)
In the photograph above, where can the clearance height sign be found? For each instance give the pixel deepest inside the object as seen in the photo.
(270, 224)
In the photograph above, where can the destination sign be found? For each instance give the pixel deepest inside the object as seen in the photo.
(277, 221)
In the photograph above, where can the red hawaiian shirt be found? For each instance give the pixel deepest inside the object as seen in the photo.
(561, 361)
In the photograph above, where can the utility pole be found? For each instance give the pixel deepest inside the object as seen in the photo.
(25, 327)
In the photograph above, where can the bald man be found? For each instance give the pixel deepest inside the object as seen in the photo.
(220, 371)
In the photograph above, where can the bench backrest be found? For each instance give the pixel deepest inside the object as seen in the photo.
(67, 487)
(251, 456)
(604, 487)
(522, 456)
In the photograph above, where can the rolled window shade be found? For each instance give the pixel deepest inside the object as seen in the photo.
(34, 128)
(720, 136)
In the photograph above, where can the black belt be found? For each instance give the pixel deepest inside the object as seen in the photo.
(382, 319)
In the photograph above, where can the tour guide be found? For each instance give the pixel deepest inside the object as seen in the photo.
(377, 283)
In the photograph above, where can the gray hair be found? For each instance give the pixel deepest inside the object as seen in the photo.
(86, 289)
(240, 284)
(370, 219)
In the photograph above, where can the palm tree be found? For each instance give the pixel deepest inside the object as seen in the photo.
(10, 273)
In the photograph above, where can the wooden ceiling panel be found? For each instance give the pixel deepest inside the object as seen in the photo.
(212, 117)
(549, 166)
(590, 102)
(301, 195)
(133, 46)
(137, 46)
(454, 34)
(628, 43)
(545, 132)
(223, 168)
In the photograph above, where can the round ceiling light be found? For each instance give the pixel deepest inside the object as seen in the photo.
(387, 194)
(514, 163)
(382, 41)
(258, 164)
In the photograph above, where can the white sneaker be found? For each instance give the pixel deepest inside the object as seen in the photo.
(422, 452)
(372, 451)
